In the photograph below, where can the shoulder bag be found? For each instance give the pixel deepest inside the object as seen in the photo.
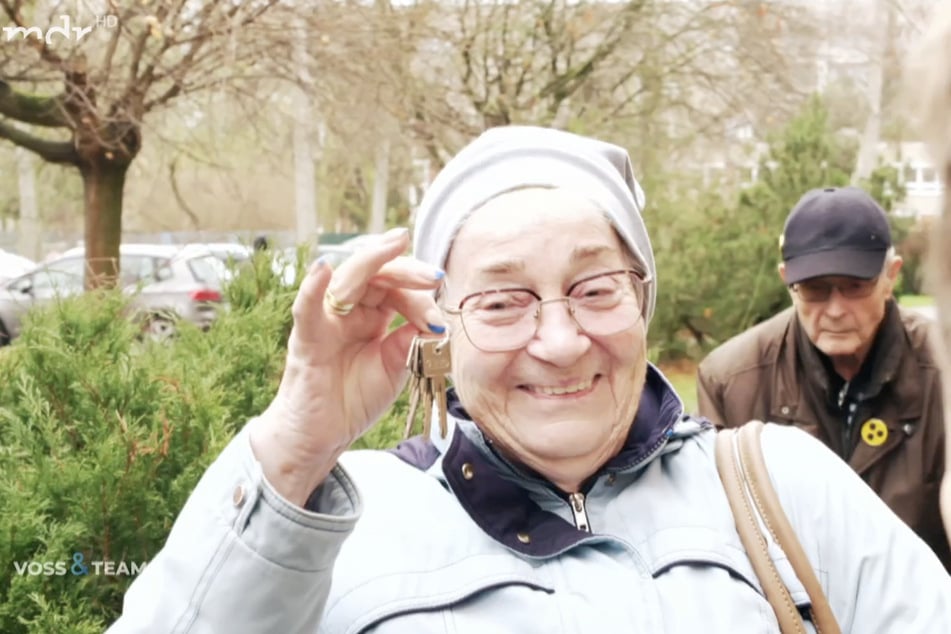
(739, 458)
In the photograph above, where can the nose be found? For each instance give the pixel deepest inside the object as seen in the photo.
(836, 304)
(558, 338)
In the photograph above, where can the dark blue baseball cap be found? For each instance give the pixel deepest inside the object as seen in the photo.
(835, 231)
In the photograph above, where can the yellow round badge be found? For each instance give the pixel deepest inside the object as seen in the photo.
(875, 432)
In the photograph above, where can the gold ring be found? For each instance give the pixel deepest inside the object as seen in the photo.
(335, 305)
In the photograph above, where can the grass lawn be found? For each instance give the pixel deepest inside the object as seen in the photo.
(912, 301)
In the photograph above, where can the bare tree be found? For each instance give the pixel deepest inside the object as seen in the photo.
(361, 70)
(77, 83)
(641, 70)
(425, 77)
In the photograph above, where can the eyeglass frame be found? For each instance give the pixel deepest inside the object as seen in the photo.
(638, 277)
(872, 285)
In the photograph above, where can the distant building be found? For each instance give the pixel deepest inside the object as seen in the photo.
(917, 172)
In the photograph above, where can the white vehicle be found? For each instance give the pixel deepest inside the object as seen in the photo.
(13, 265)
(166, 284)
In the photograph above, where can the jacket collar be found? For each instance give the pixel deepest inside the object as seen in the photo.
(800, 385)
(495, 493)
(878, 369)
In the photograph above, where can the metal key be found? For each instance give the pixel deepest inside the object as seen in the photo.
(439, 388)
(413, 407)
(426, 395)
(414, 365)
(436, 364)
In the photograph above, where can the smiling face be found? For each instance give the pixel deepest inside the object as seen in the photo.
(561, 404)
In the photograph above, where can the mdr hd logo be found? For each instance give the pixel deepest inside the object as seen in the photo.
(69, 22)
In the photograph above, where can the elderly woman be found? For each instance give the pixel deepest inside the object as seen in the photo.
(571, 493)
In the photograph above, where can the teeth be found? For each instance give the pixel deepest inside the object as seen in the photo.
(557, 391)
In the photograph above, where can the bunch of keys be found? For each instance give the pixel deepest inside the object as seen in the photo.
(429, 363)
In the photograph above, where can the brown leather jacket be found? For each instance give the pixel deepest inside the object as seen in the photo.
(771, 372)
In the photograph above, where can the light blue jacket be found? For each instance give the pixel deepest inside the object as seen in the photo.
(465, 543)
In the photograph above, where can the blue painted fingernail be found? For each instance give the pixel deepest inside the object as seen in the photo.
(436, 329)
(440, 274)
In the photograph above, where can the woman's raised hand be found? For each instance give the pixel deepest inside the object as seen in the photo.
(344, 367)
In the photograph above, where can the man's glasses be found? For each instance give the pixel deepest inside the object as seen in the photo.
(505, 319)
(821, 290)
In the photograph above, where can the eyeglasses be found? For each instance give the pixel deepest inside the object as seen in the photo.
(820, 290)
(506, 319)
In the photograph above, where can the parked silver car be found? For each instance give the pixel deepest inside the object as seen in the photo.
(13, 265)
(166, 283)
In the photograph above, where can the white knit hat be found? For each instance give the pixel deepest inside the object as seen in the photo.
(506, 158)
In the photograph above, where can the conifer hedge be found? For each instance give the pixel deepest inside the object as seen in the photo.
(103, 435)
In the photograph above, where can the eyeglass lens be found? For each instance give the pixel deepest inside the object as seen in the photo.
(507, 319)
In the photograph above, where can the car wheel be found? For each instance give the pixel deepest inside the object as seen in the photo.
(158, 328)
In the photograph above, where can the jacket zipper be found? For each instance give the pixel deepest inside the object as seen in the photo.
(576, 501)
(846, 431)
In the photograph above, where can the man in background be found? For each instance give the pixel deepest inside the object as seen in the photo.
(845, 362)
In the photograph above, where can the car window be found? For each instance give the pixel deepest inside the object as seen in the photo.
(136, 268)
(62, 275)
(208, 269)
(163, 269)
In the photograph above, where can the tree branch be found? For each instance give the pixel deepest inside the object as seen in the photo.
(181, 199)
(105, 67)
(32, 109)
(61, 152)
(139, 84)
(206, 33)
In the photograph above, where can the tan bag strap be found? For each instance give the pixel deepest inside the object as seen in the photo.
(777, 523)
(732, 476)
(740, 463)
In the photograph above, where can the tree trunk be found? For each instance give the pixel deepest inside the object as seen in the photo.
(103, 183)
(867, 158)
(381, 188)
(305, 185)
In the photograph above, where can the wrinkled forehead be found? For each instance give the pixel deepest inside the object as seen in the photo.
(533, 217)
